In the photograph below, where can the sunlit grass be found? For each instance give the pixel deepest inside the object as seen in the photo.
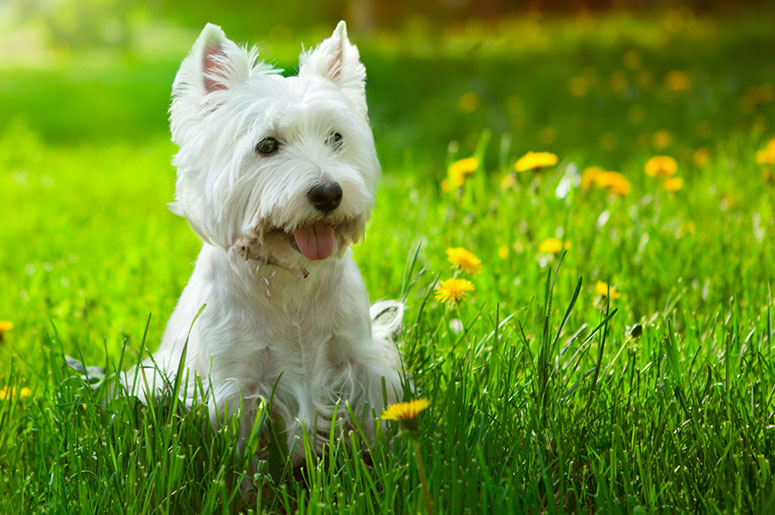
(610, 349)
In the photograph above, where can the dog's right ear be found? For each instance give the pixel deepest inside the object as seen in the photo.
(214, 63)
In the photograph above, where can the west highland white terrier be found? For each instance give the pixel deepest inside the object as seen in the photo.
(277, 175)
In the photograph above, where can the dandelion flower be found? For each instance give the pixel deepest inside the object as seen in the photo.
(9, 393)
(674, 184)
(459, 170)
(5, 326)
(661, 166)
(661, 139)
(766, 156)
(618, 82)
(602, 289)
(700, 156)
(503, 252)
(578, 86)
(406, 414)
(535, 161)
(405, 411)
(589, 176)
(465, 259)
(552, 246)
(453, 290)
(631, 60)
(469, 102)
(614, 182)
(678, 81)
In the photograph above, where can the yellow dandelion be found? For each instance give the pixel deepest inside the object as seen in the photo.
(690, 227)
(661, 166)
(673, 184)
(578, 86)
(465, 259)
(618, 82)
(631, 60)
(535, 161)
(589, 176)
(9, 393)
(601, 288)
(759, 123)
(678, 81)
(700, 156)
(763, 94)
(453, 290)
(661, 139)
(469, 102)
(552, 246)
(406, 414)
(766, 156)
(503, 252)
(459, 170)
(5, 326)
(614, 182)
(405, 411)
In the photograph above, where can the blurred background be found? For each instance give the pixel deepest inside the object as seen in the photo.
(556, 74)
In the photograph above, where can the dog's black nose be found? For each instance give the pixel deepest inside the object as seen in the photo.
(326, 196)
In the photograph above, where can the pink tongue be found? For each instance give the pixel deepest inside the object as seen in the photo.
(315, 241)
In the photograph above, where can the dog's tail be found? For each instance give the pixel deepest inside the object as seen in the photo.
(387, 318)
(386, 321)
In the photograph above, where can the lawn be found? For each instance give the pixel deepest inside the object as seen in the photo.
(614, 355)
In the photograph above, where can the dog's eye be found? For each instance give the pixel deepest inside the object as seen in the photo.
(334, 140)
(268, 146)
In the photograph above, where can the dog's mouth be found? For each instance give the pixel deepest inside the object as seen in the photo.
(315, 241)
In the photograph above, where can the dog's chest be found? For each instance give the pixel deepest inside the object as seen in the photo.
(296, 353)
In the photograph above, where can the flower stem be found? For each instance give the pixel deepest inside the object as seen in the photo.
(421, 470)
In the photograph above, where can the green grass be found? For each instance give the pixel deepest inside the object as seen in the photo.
(543, 400)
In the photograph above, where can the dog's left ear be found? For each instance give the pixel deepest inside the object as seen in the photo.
(338, 60)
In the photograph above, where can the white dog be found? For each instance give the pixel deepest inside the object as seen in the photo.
(277, 175)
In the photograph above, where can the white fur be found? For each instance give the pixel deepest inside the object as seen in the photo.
(309, 340)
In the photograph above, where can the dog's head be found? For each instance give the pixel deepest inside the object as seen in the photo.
(286, 161)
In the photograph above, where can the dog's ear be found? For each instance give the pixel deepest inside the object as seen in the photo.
(338, 60)
(214, 63)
